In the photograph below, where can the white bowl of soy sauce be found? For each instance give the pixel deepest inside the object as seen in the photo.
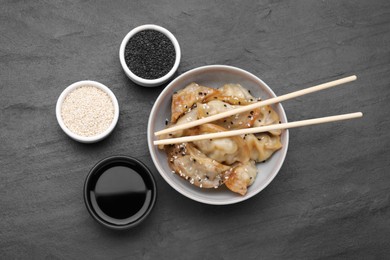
(120, 192)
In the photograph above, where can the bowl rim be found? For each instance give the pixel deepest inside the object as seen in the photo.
(87, 139)
(150, 136)
(149, 82)
(104, 162)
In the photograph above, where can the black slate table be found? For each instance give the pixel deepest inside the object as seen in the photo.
(331, 198)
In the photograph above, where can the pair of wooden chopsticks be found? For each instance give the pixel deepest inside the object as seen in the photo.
(251, 107)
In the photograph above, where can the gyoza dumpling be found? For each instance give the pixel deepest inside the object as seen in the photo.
(188, 117)
(268, 116)
(197, 168)
(223, 150)
(233, 94)
(239, 121)
(185, 98)
(242, 176)
(262, 146)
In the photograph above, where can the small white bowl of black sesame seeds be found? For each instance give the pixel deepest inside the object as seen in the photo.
(149, 55)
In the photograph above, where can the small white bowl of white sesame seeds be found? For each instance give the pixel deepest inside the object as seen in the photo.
(87, 111)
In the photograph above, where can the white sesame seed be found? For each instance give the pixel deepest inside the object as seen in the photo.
(87, 111)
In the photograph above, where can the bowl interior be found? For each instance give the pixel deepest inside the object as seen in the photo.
(214, 76)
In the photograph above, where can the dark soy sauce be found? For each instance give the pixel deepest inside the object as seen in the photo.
(120, 194)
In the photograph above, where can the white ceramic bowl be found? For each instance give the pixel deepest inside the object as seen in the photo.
(149, 82)
(83, 139)
(213, 76)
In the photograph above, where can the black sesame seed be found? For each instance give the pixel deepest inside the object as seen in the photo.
(150, 54)
(251, 112)
(166, 121)
(239, 102)
(231, 122)
(207, 113)
(269, 112)
(224, 121)
(225, 105)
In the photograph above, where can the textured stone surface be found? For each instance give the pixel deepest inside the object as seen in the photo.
(331, 198)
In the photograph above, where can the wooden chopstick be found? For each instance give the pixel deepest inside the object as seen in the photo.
(260, 129)
(256, 105)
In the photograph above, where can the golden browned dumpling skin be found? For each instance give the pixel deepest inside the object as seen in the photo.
(241, 177)
(223, 150)
(191, 164)
(184, 99)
